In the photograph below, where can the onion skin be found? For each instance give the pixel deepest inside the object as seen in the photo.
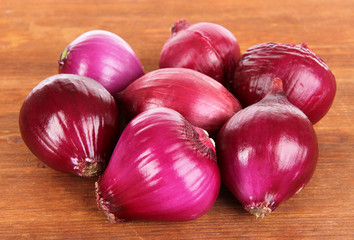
(160, 170)
(70, 123)
(267, 152)
(203, 101)
(103, 56)
(205, 47)
(308, 82)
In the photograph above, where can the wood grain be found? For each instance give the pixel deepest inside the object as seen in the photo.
(40, 203)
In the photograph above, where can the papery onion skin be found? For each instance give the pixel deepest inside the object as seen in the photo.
(267, 152)
(159, 171)
(203, 101)
(205, 47)
(308, 82)
(104, 57)
(70, 123)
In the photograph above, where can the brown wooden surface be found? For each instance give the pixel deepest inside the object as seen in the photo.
(40, 203)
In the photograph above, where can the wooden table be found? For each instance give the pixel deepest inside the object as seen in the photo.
(40, 203)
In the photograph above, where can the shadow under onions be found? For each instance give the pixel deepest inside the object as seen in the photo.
(226, 198)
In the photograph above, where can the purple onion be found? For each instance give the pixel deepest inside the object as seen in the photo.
(203, 101)
(70, 123)
(163, 168)
(205, 47)
(104, 57)
(267, 152)
(308, 82)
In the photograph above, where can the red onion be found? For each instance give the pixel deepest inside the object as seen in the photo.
(267, 152)
(203, 101)
(103, 56)
(70, 123)
(308, 82)
(163, 168)
(205, 47)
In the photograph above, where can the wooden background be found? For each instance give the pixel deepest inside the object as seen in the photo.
(40, 203)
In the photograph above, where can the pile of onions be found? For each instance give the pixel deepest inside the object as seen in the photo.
(103, 56)
(163, 168)
(205, 47)
(308, 82)
(70, 123)
(160, 162)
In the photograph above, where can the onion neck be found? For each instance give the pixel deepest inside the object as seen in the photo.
(304, 45)
(63, 56)
(205, 139)
(179, 25)
(276, 87)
